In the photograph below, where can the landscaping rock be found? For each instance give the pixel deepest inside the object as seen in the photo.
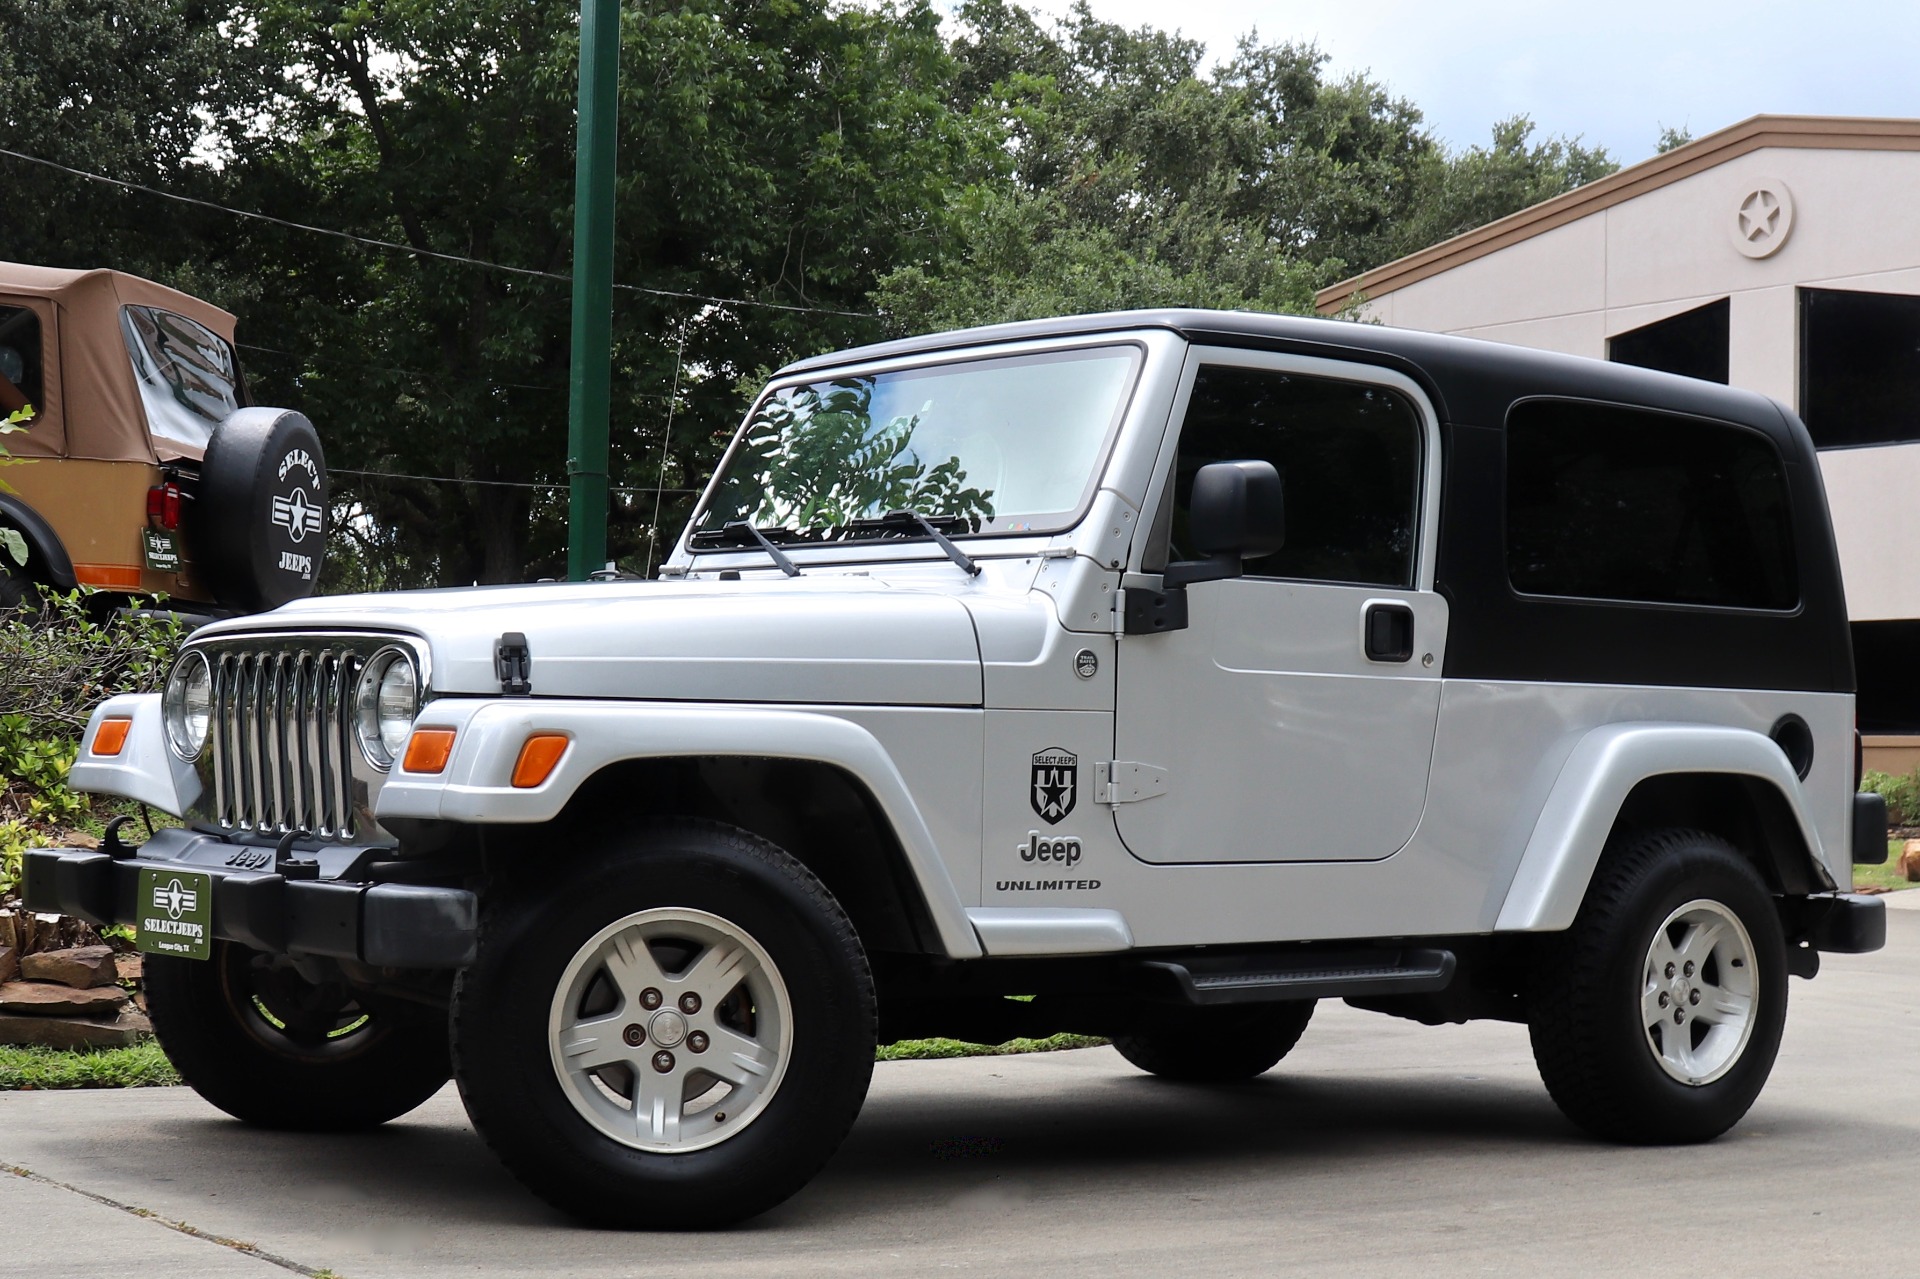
(1910, 861)
(47, 999)
(9, 963)
(80, 968)
(121, 1031)
(130, 967)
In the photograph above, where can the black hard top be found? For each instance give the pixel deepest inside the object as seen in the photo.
(1469, 380)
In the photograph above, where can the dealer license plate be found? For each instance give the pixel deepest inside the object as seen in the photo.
(175, 914)
(163, 552)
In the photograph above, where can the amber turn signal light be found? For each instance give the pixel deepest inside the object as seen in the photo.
(428, 750)
(537, 759)
(111, 736)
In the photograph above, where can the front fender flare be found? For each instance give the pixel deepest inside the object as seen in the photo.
(476, 785)
(1604, 767)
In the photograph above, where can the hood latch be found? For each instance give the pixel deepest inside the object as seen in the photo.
(513, 663)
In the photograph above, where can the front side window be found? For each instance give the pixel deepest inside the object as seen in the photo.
(1349, 457)
(1009, 445)
(1614, 503)
(189, 379)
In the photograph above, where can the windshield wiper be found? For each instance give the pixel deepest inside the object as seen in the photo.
(914, 519)
(744, 531)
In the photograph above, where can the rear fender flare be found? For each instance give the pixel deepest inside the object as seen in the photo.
(1593, 785)
(49, 562)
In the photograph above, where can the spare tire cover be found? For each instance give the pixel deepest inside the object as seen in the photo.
(260, 515)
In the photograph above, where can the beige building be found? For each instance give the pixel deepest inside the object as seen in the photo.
(1781, 255)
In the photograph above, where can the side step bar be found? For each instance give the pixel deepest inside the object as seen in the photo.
(1318, 974)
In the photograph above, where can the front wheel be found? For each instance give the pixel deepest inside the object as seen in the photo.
(282, 1045)
(1656, 1018)
(676, 1034)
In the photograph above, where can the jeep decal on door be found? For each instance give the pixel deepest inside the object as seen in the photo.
(1056, 783)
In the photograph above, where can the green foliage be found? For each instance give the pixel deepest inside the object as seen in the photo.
(141, 1066)
(58, 663)
(1130, 176)
(926, 1049)
(15, 839)
(1672, 138)
(37, 767)
(818, 460)
(1902, 794)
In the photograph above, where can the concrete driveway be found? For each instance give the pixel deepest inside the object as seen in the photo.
(1379, 1148)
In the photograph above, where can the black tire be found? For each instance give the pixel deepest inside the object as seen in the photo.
(329, 1065)
(531, 1115)
(1218, 1045)
(1595, 1051)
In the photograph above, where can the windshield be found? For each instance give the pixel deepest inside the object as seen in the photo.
(1009, 445)
(189, 380)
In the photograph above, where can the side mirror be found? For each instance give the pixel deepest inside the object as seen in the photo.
(1237, 513)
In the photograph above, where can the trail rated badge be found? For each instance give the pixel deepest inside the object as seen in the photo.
(1056, 783)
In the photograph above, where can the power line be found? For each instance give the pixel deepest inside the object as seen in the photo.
(507, 484)
(370, 242)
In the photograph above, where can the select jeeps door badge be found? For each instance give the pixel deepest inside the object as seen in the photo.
(1085, 664)
(1056, 784)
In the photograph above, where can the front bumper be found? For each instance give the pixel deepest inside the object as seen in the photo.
(385, 925)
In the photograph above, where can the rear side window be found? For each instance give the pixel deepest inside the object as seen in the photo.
(189, 378)
(1349, 458)
(1613, 503)
(20, 359)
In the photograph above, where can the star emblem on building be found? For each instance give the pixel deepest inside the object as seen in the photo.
(1759, 214)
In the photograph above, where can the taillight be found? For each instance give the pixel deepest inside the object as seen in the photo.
(163, 506)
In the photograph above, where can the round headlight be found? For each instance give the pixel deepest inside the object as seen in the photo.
(387, 699)
(189, 705)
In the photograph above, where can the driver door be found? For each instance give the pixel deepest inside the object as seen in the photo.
(1293, 718)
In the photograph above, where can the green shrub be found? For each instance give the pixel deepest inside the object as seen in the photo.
(13, 842)
(35, 768)
(1901, 793)
(60, 661)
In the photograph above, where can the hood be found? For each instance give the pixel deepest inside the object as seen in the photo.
(847, 640)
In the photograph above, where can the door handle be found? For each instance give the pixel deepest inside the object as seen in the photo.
(1388, 630)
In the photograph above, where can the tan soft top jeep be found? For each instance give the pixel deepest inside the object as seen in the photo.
(144, 469)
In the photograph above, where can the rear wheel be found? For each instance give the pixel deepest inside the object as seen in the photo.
(677, 1034)
(1656, 1018)
(1218, 1045)
(284, 1048)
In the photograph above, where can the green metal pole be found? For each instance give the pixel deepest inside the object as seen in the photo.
(589, 385)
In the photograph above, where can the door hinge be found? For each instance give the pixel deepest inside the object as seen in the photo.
(1123, 781)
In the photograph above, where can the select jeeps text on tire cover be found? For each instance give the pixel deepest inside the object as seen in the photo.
(147, 469)
(1172, 669)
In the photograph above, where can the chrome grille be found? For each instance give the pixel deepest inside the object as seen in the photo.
(283, 740)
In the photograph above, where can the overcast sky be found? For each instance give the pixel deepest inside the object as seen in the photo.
(1613, 72)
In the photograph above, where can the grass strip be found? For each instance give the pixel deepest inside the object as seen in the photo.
(929, 1049)
(1886, 877)
(30, 1069)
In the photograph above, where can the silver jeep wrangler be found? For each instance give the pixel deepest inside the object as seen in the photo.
(1149, 675)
